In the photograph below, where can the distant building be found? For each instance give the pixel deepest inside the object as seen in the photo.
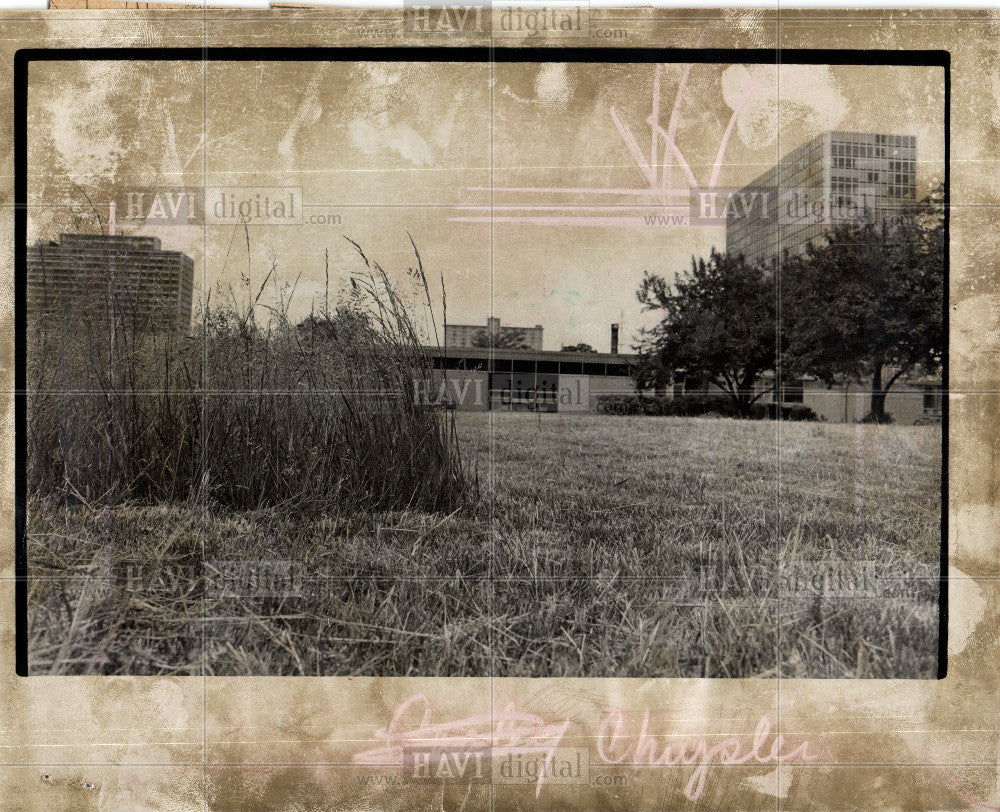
(480, 379)
(84, 276)
(836, 178)
(512, 380)
(492, 334)
(914, 399)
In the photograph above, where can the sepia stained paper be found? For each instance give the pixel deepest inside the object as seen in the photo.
(606, 425)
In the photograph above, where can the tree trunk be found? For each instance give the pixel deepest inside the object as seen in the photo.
(743, 405)
(733, 390)
(878, 396)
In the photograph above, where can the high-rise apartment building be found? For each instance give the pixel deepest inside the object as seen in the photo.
(476, 335)
(86, 277)
(836, 178)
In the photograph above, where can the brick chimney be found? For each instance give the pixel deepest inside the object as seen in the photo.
(614, 339)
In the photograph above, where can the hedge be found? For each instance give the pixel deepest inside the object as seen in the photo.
(700, 405)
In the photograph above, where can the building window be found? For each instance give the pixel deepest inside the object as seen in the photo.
(446, 362)
(792, 390)
(932, 400)
(693, 383)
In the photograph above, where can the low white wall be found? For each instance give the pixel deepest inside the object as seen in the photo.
(837, 405)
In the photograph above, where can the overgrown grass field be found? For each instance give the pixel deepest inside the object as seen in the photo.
(594, 546)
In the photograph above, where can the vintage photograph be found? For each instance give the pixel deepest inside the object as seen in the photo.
(478, 366)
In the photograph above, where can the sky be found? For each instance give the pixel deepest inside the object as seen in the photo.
(526, 187)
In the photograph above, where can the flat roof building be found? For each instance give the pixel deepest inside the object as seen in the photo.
(837, 178)
(505, 379)
(513, 380)
(88, 276)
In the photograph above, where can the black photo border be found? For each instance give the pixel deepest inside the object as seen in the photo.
(476, 54)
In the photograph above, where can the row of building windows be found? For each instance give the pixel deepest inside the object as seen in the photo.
(901, 178)
(897, 140)
(527, 366)
(900, 188)
(843, 190)
(861, 183)
(842, 150)
(848, 163)
(843, 184)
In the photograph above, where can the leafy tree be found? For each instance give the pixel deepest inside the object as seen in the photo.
(869, 303)
(578, 348)
(718, 322)
(338, 323)
(510, 339)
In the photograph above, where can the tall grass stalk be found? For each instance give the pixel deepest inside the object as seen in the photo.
(250, 410)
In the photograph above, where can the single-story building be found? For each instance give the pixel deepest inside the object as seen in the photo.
(912, 399)
(482, 379)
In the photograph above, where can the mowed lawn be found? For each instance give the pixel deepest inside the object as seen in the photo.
(651, 545)
(595, 546)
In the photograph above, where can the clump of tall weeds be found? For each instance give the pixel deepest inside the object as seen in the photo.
(249, 409)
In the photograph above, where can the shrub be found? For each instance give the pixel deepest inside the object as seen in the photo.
(797, 411)
(790, 411)
(696, 405)
(707, 405)
(681, 406)
(871, 417)
(252, 411)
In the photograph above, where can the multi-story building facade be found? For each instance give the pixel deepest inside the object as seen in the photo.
(87, 277)
(837, 178)
(493, 333)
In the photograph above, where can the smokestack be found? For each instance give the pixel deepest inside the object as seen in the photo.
(614, 339)
(111, 218)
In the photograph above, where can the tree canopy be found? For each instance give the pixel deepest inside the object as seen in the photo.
(511, 339)
(718, 322)
(868, 304)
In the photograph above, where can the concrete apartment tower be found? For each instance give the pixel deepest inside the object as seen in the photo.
(83, 275)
